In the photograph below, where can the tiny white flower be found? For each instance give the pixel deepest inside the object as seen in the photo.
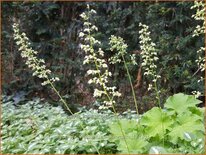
(93, 11)
(81, 34)
(57, 79)
(89, 72)
(196, 94)
(90, 81)
(104, 65)
(149, 87)
(117, 94)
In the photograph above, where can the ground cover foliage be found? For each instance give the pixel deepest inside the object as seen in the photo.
(38, 127)
(137, 73)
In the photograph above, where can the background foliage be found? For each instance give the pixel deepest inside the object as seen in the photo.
(53, 28)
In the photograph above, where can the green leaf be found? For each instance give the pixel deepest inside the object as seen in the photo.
(125, 124)
(187, 123)
(179, 103)
(156, 122)
(198, 111)
(135, 143)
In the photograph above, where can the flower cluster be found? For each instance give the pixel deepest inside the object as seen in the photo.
(200, 16)
(196, 94)
(201, 60)
(200, 30)
(94, 55)
(118, 44)
(148, 54)
(37, 65)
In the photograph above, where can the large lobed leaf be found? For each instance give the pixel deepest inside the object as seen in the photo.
(136, 143)
(124, 124)
(180, 103)
(156, 122)
(186, 123)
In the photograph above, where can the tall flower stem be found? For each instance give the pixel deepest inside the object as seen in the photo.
(37, 66)
(149, 58)
(199, 31)
(64, 102)
(61, 99)
(159, 104)
(101, 67)
(119, 45)
(110, 99)
(130, 81)
(115, 112)
(157, 93)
